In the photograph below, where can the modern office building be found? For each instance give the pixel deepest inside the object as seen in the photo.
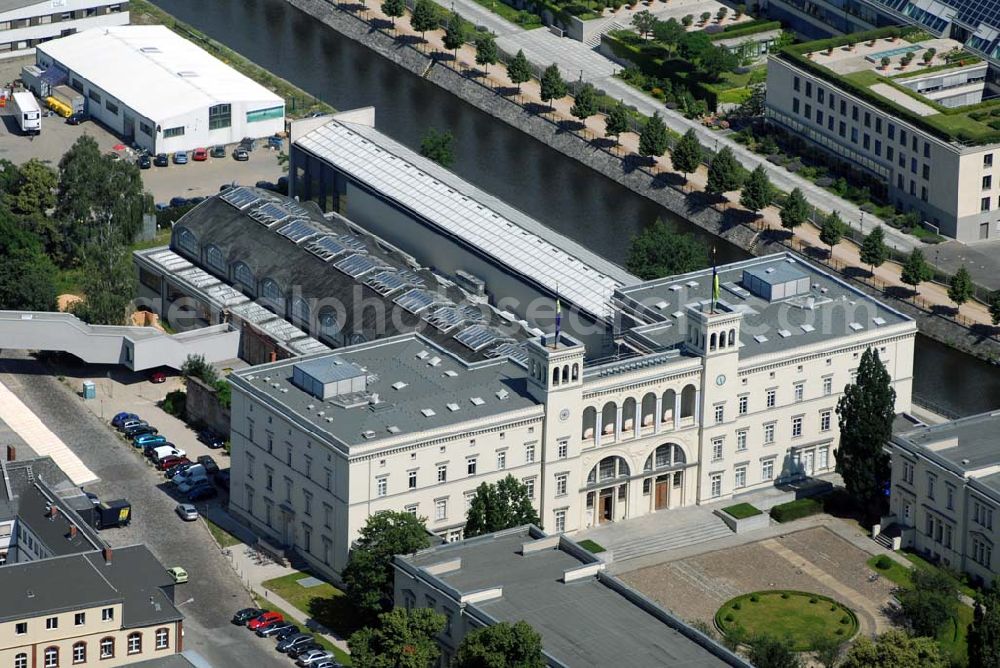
(923, 131)
(946, 491)
(585, 616)
(24, 24)
(347, 166)
(708, 399)
(156, 89)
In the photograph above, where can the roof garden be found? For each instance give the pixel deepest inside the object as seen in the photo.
(927, 81)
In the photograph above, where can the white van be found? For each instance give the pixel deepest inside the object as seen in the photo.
(190, 473)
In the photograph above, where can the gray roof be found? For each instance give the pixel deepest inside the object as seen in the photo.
(965, 445)
(11, 5)
(420, 387)
(592, 621)
(134, 577)
(445, 200)
(326, 370)
(830, 309)
(169, 661)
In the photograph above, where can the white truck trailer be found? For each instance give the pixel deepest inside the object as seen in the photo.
(28, 113)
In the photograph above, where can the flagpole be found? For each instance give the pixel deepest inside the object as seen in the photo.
(715, 281)
(558, 318)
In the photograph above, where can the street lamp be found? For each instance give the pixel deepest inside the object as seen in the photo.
(862, 222)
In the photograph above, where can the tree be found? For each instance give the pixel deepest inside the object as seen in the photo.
(885, 62)
(715, 60)
(720, 15)
(108, 284)
(795, 211)
(669, 33)
(519, 69)
(874, 252)
(828, 650)
(832, 230)
(27, 276)
(403, 639)
(502, 645)
(660, 251)
(994, 307)
(585, 103)
(687, 21)
(195, 366)
(754, 105)
(960, 289)
(501, 505)
(915, 270)
(33, 193)
(770, 652)
(644, 22)
(983, 637)
(894, 649)
(552, 85)
(424, 17)
(368, 574)
(865, 413)
(757, 191)
(486, 51)
(616, 122)
(686, 156)
(393, 9)
(454, 34)
(724, 172)
(438, 146)
(930, 603)
(705, 16)
(653, 140)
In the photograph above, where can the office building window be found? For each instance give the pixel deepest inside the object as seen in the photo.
(561, 484)
(796, 426)
(889, 152)
(470, 465)
(930, 486)
(529, 453)
(743, 404)
(442, 473)
(173, 132)
(827, 386)
(741, 440)
(220, 116)
(720, 413)
(926, 171)
(987, 182)
(951, 497)
(113, 108)
(795, 105)
(824, 421)
(441, 509)
(823, 458)
(716, 482)
(381, 486)
(502, 460)
(988, 160)
(560, 525)
(878, 147)
(562, 450)
(771, 396)
(740, 477)
(984, 204)
(796, 83)
(411, 479)
(767, 469)
(529, 484)
(799, 391)
(809, 110)
(716, 449)
(769, 433)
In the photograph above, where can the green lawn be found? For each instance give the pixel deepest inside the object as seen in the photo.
(324, 603)
(897, 573)
(339, 654)
(799, 616)
(920, 562)
(742, 511)
(525, 19)
(951, 638)
(221, 536)
(591, 546)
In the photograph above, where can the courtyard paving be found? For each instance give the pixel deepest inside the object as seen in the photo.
(814, 559)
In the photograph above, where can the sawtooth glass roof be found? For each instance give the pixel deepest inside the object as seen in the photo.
(462, 210)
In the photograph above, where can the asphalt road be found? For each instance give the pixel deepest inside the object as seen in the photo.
(214, 592)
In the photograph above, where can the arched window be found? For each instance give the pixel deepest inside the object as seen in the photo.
(722, 339)
(107, 648)
(21, 660)
(51, 657)
(185, 240)
(300, 310)
(589, 422)
(134, 643)
(271, 291)
(162, 638)
(711, 345)
(576, 371)
(664, 456)
(243, 275)
(565, 377)
(607, 469)
(79, 652)
(329, 327)
(555, 376)
(215, 259)
(689, 396)
(732, 338)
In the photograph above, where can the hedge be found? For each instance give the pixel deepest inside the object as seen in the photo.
(794, 510)
(742, 511)
(748, 28)
(678, 71)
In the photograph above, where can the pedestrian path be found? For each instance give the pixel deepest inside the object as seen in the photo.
(542, 48)
(40, 438)
(482, 16)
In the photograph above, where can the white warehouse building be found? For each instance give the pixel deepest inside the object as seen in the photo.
(26, 23)
(161, 92)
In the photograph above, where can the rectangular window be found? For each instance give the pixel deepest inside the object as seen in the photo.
(800, 389)
(769, 433)
(716, 449)
(529, 483)
(265, 114)
(767, 469)
(440, 509)
(988, 160)
(823, 458)
(809, 110)
(740, 477)
(819, 117)
(502, 460)
(913, 165)
(824, 421)
(220, 116)
(442, 473)
(820, 94)
(562, 450)
(809, 89)
(892, 131)
(889, 152)
(843, 108)
(308, 502)
(984, 204)
(173, 132)
(866, 141)
(381, 486)
(720, 414)
(411, 479)
(902, 137)
(470, 465)
(743, 404)
(878, 125)
(51, 623)
(925, 171)
(741, 440)
(561, 484)
(854, 113)
(716, 479)
(854, 135)
(529, 453)
(927, 150)
(947, 536)
(796, 426)
(108, 615)
(878, 147)
(795, 105)
(930, 486)
(828, 386)
(560, 526)
(796, 83)
(771, 396)
(20, 628)
(94, 95)
(987, 182)
(868, 119)
(79, 619)
(951, 497)
(842, 129)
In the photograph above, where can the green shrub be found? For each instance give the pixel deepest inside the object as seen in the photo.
(813, 599)
(754, 598)
(845, 620)
(729, 617)
(793, 510)
(785, 594)
(737, 605)
(175, 403)
(883, 563)
(840, 632)
(832, 608)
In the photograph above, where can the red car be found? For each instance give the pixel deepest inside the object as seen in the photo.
(167, 462)
(266, 618)
(158, 377)
(199, 155)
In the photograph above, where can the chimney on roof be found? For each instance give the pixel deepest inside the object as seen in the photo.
(11, 453)
(107, 556)
(72, 531)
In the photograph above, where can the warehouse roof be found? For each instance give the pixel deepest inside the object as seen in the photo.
(460, 209)
(154, 70)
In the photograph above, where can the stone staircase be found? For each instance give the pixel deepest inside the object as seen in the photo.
(594, 40)
(671, 539)
(884, 540)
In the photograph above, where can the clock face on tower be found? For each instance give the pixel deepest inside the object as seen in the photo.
(720, 380)
(564, 414)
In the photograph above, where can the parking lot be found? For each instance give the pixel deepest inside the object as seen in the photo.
(191, 180)
(214, 591)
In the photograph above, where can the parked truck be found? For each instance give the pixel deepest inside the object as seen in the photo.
(27, 112)
(110, 514)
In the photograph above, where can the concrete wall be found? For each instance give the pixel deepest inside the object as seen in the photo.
(203, 407)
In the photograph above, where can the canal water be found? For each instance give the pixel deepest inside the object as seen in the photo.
(557, 190)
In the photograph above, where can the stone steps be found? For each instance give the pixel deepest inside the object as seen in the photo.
(671, 539)
(594, 40)
(884, 540)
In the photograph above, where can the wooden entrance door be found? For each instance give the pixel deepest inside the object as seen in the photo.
(662, 494)
(606, 506)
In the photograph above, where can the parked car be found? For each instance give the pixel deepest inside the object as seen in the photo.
(179, 467)
(241, 155)
(151, 440)
(179, 575)
(282, 185)
(211, 439)
(196, 471)
(294, 641)
(158, 377)
(209, 464)
(189, 486)
(288, 632)
(147, 449)
(164, 451)
(178, 201)
(144, 161)
(218, 151)
(121, 418)
(313, 657)
(139, 430)
(248, 143)
(296, 652)
(76, 119)
(222, 479)
(201, 492)
(327, 663)
(130, 422)
(264, 618)
(199, 155)
(274, 628)
(245, 615)
(181, 158)
(161, 160)
(171, 461)
(186, 512)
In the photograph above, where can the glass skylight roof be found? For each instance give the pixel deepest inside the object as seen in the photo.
(477, 337)
(270, 213)
(416, 300)
(298, 230)
(240, 197)
(356, 265)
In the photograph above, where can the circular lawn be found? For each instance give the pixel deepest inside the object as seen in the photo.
(799, 616)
